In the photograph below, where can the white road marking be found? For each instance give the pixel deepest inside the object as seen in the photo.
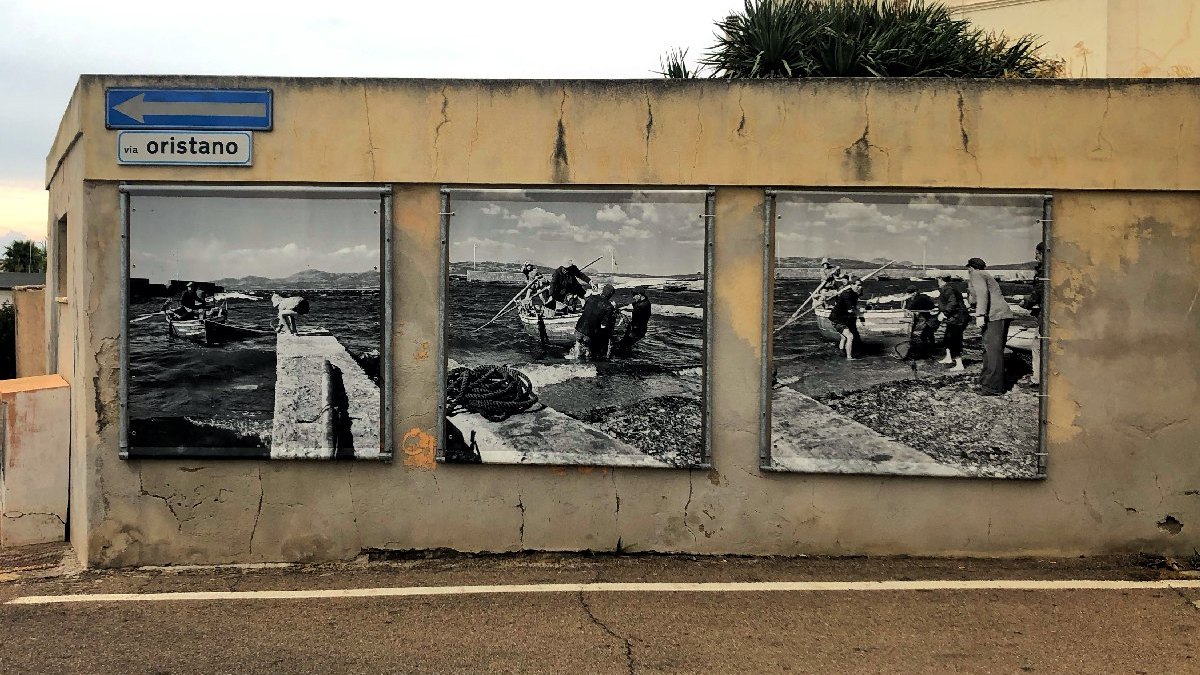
(735, 587)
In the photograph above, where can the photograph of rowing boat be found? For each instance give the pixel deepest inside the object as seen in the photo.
(255, 327)
(905, 334)
(575, 328)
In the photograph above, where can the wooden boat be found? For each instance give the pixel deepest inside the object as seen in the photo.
(892, 326)
(213, 329)
(554, 328)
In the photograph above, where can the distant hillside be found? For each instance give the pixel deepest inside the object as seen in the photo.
(876, 263)
(306, 280)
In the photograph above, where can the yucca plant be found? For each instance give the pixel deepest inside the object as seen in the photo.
(859, 38)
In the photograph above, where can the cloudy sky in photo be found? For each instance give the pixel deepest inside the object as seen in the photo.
(46, 44)
(209, 238)
(951, 228)
(648, 233)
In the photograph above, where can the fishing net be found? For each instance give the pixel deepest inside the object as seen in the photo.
(496, 392)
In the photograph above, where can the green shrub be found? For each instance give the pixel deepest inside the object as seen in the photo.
(860, 38)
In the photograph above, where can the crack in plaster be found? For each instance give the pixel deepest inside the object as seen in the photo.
(649, 128)
(370, 136)
(628, 642)
(562, 163)
(965, 137)
(521, 533)
(437, 133)
(474, 138)
(257, 514)
(687, 505)
(17, 515)
(700, 131)
(741, 130)
(1101, 140)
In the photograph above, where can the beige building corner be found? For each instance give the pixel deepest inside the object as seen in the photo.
(1123, 474)
(1101, 38)
(33, 477)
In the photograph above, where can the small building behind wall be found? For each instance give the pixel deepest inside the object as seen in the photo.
(386, 162)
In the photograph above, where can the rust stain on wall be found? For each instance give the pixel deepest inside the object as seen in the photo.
(419, 448)
(422, 351)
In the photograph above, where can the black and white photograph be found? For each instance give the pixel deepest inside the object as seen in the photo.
(905, 334)
(575, 328)
(255, 327)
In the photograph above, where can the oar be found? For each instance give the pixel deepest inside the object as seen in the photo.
(163, 310)
(514, 298)
(791, 319)
(840, 291)
(506, 305)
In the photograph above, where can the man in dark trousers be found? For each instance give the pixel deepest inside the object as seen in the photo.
(565, 282)
(924, 323)
(844, 316)
(993, 316)
(636, 330)
(595, 325)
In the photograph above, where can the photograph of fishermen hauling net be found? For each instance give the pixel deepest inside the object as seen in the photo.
(255, 327)
(905, 334)
(575, 328)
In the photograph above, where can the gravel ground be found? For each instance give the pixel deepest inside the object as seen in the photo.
(667, 428)
(987, 436)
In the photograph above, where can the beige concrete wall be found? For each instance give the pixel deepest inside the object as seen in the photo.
(1102, 38)
(1123, 391)
(29, 302)
(33, 477)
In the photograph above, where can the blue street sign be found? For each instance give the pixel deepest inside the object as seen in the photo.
(241, 109)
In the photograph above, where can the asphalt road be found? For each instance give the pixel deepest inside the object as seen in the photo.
(975, 631)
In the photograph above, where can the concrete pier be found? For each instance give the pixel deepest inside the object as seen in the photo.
(545, 436)
(809, 436)
(325, 405)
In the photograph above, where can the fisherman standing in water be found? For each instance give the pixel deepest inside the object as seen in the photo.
(992, 315)
(956, 316)
(844, 316)
(595, 325)
(636, 330)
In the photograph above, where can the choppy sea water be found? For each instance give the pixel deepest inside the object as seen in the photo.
(220, 399)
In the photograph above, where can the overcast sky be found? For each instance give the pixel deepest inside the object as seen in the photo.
(951, 228)
(654, 233)
(46, 44)
(209, 238)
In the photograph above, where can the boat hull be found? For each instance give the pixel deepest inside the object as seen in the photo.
(892, 326)
(556, 330)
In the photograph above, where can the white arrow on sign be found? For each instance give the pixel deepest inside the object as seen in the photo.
(138, 107)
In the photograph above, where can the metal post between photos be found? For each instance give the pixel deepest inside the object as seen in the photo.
(710, 219)
(444, 287)
(768, 347)
(385, 362)
(123, 353)
(1044, 336)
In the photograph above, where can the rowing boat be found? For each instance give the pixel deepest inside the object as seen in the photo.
(892, 326)
(550, 327)
(214, 329)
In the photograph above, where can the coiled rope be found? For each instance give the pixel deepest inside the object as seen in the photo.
(496, 392)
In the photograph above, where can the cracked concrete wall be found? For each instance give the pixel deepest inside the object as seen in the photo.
(1123, 389)
(33, 476)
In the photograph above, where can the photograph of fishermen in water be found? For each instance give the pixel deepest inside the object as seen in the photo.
(255, 327)
(905, 334)
(575, 328)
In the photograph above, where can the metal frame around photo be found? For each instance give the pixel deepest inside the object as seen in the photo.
(383, 192)
(709, 217)
(768, 301)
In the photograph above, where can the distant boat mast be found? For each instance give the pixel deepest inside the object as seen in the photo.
(474, 259)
